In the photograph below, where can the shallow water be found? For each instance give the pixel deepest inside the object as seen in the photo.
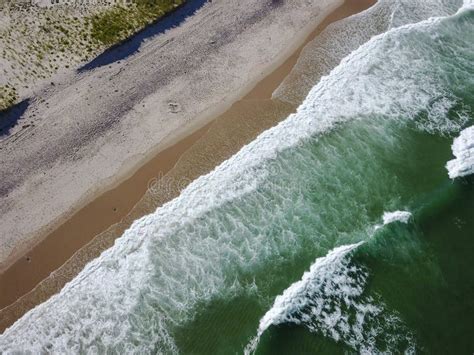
(283, 248)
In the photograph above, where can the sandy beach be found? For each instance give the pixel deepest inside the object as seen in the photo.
(112, 144)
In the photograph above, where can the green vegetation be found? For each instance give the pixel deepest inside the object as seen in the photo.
(37, 42)
(8, 97)
(118, 23)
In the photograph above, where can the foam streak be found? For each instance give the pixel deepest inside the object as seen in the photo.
(463, 150)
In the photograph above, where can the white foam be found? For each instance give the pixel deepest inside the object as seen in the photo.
(463, 150)
(330, 299)
(396, 216)
(468, 4)
(339, 39)
(297, 295)
(294, 297)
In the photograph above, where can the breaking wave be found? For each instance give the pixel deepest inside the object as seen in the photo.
(331, 299)
(401, 216)
(463, 150)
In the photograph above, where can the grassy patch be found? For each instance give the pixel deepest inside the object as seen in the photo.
(118, 23)
(39, 41)
(8, 97)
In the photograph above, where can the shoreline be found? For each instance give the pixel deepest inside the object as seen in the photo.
(106, 209)
(129, 165)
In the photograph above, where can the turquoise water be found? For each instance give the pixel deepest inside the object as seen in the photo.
(337, 231)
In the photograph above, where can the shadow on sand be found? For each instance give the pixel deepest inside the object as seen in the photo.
(132, 45)
(10, 117)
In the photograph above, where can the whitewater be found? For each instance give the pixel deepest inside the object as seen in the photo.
(321, 298)
(371, 142)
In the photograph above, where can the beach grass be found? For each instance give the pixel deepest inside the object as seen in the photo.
(37, 42)
(8, 97)
(118, 23)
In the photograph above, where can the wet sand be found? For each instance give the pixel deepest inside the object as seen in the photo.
(45, 269)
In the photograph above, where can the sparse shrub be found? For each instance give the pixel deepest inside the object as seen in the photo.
(39, 40)
(8, 97)
(115, 24)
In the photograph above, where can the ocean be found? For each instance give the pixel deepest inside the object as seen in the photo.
(347, 228)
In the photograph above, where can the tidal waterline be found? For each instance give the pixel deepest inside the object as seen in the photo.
(373, 176)
(393, 166)
(374, 136)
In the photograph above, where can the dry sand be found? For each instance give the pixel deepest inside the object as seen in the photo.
(168, 171)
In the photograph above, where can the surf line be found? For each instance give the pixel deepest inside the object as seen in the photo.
(334, 265)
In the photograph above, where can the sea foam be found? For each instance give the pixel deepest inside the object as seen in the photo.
(463, 150)
(331, 299)
(396, 216)
(339, 39)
